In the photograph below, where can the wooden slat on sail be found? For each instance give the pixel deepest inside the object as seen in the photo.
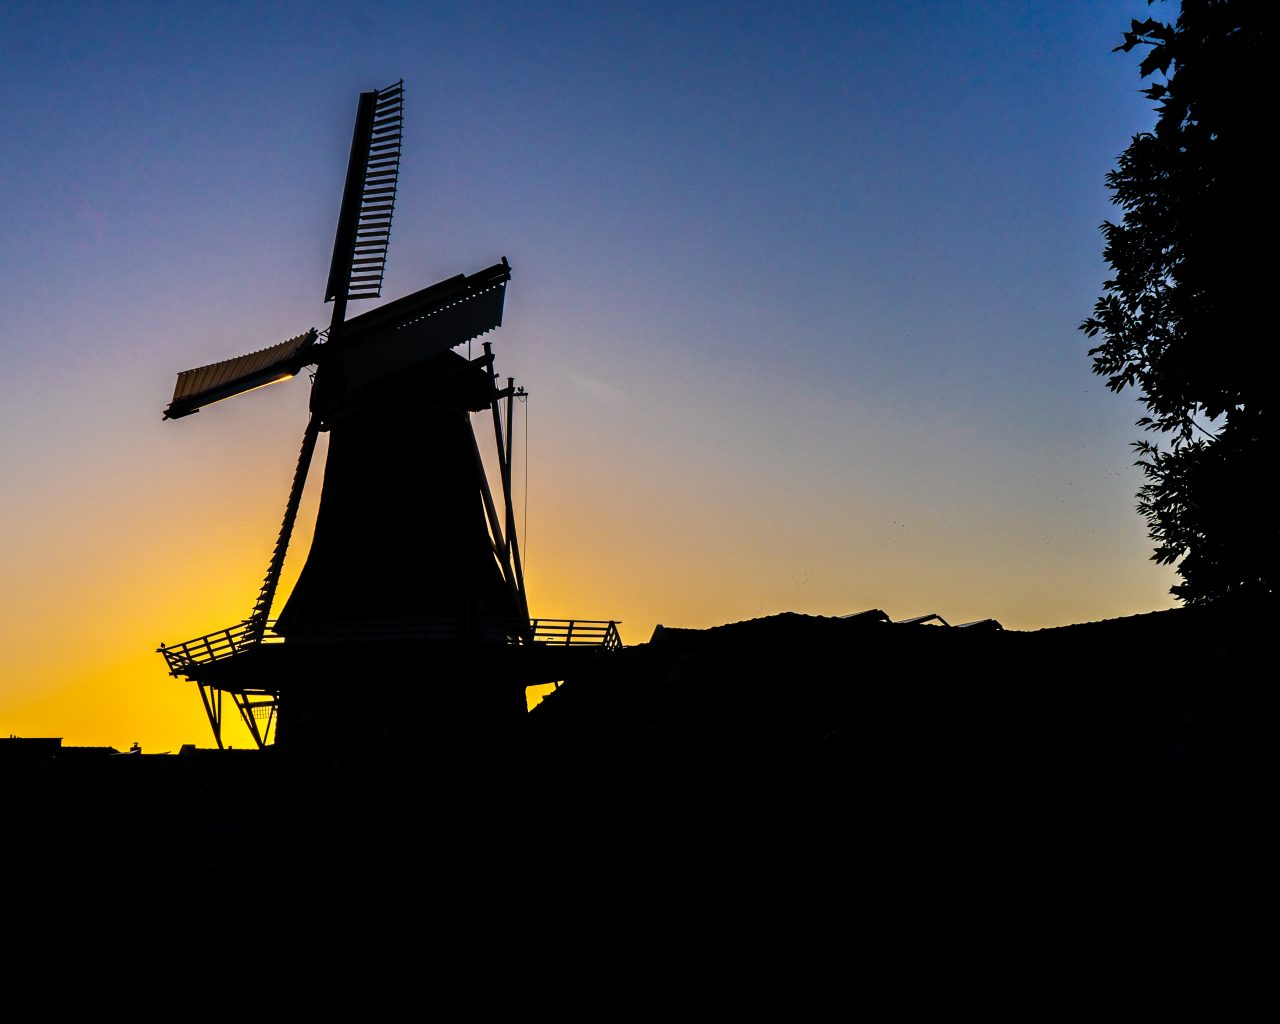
(368, 198)
(208, 384)
(411, 329)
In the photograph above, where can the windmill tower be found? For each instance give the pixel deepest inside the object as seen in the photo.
(412, 595)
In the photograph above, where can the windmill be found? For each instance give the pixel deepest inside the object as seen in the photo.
(414, 576)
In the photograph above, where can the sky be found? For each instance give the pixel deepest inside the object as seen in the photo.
(795, 294)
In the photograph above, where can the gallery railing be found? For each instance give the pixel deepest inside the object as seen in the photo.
(245, 636)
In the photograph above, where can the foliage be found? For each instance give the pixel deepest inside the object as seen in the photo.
(1185, 319)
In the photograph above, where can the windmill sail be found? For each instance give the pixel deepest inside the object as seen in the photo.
(368, 198)
(435, 319)
(208, 384)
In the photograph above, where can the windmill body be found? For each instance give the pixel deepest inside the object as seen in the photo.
(412, 589)
(397, 538)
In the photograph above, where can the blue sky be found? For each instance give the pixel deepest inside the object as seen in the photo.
(795, 294)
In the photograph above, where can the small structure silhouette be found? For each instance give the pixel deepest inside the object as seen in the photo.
(413, 584)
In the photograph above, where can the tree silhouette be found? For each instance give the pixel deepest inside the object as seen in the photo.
(1186, 319)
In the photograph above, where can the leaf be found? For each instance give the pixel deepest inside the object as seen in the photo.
(1185, 317)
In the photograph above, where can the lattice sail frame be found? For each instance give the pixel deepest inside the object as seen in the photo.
(368, 198)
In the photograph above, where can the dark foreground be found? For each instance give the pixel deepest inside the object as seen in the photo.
(844, 799)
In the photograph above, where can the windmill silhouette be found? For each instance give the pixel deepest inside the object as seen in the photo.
(414, 578)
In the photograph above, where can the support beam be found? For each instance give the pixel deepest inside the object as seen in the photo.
(506, 467)
(212, 701)
(246, 707)
(246, 716)
(513, 545)
(514, 574)
(495, 528)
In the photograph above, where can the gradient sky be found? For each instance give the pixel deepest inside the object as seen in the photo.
(795, 293)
